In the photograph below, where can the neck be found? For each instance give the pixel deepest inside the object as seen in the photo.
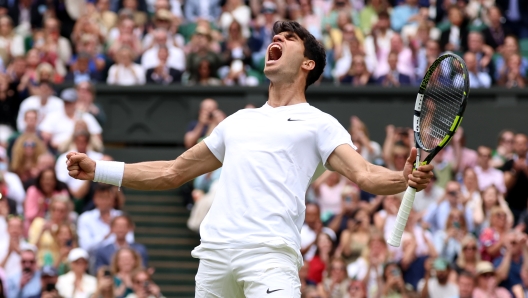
(285, 94)
(78, 275)
(43, 100)
(104, 212)
(121, 242)
(70, 114)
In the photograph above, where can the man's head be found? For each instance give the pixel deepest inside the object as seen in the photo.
(121, 225)
(396, 43)
(83, 62)
(442, 269)
(471, 61)
(484, 156)
(511, 46)
(104, 197)
(78, 259)
(294, 55)
(313, 215)
(475, 42)
(69, 96)
(393, 60)
(494, 16)
(81, 139)
(160, 36)
(31, 118)
(455, 15)
(432, 48)
(520, 144)
(383, 20)
(485, 274)
(45, 161)
(45, 89)
(48, 276)
(208, 105)
(163, 53)
(141, 283)
(466, 284)
(452, 190)
(28, 260)
(15, 227)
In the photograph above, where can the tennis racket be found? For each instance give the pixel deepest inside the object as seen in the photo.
(438, 112)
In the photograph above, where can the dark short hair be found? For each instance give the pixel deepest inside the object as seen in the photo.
(102, 187)
(313, 49)
(383, 15)
(122, 216)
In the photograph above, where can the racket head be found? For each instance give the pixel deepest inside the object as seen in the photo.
(440, 103)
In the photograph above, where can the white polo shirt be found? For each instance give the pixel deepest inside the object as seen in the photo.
(269, 156)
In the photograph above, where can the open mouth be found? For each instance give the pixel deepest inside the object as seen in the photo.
(275, 52)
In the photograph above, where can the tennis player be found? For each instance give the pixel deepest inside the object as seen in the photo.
(250, 239)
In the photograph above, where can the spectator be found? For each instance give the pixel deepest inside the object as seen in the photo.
(45, 103)
(395, 147)
(86, 104)
(438, 213)
(200, 51)
(262, 33)
(511, 76)
(26, 150)
(163, 19)
(486, 174)
(80, 70)
(469, 257)
(370, 14)
(11, 249)
(57, 49)
(77, 283)
(504, 150)
(39, 195)
(321, 260)
(356, 289)
(394, 78)
(235, 53)
(405, 61)
(466, 284)
(380, 38)
(522, 288)
(328, 188)
(139, 17)
(495, 33)
(163, 74)
(456, 37)
(311, 228)
(48, 280)
(8, 206)
(208, 10)
(235, 11)
(125, 35)
(94, 226)
(10, 41)
(510, 47)
(370, 150)
(14, 185)
(205, 77)
(448, 242)
(120, 226)
(125, 72)
(393, 284)
(176, 57)
(493, 238)
(487, 284)
(425, 56)
(404, 14)
(124, 262)
(30, 119)
(336, 283)
(423, 199)
(25, 284)
(491, 197)
(358, 75)
(144, 286)
(459, 155)
(105, 284)
(508, 267)
(349, 47)
(516, 176)
(437, 286)
(9, 104)
(44, 161)
(198, 128)
(514, 13)
(44, 233)
(477, 78)
(355, 238)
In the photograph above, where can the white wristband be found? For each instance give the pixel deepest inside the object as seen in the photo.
(109, 172)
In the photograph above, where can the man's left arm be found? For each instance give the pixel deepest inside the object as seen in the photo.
(376, 179)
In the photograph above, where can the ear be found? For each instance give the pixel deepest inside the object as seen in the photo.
(308, 65)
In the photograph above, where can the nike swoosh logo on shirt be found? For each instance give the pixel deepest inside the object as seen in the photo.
(269, 292)
(290, 119)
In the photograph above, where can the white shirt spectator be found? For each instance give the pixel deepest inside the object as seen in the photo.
(489, 177)
(65, 285)
(53, 104)
(16, 45)
(436, 290)
(308, 237)
(92, 230)
(62, 171)
(15, 189)
(476, 80)
(176, 58)
(424, 198)
(61, 127)
(13, 265)
(121, 75)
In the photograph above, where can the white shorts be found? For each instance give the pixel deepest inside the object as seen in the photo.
(237, 273)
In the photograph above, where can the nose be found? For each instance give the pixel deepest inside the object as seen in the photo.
(278, 38)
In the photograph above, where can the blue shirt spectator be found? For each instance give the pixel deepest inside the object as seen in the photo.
(403, 14)
(202, 9)
(26, 283)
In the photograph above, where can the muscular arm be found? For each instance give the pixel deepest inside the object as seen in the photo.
(375, 179)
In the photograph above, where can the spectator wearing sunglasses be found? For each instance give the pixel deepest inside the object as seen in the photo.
(26, 151)
(27, 283)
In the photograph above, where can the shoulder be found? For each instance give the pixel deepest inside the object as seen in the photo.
(86, 216)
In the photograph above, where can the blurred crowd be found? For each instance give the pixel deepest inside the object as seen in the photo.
(224, 42)
(466, 236)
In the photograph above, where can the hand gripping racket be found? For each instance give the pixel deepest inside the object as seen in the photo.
(438, 112)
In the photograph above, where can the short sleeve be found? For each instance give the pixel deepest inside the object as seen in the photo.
(216, 141)
(330, 135)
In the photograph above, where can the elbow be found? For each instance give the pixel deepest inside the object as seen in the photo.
(172, 178)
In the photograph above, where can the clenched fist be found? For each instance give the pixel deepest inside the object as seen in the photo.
(80, 166)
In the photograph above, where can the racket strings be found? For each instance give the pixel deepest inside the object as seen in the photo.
(442, 99)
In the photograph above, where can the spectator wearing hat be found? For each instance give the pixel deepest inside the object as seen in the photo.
(59, 126)
(200, 49)
(45, 103)
(25, 284)
(77, 283)
(437, 285)
(487, 284)
(12, 247)
(202, 10)
(163, 19)
(176, 56)
(48, 280)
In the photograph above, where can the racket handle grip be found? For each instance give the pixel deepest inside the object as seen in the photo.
(403, 216)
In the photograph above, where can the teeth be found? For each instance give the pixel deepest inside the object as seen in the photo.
(276, 46)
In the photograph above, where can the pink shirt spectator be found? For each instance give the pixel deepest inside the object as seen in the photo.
(468, 160)
(491, 176)
(34, 199)
(330, 199)
(498, 293)
(487, 238)
(405, 62)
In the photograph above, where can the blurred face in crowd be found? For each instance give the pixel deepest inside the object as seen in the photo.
(30, 118)
(396, 43)
(124, 56)
(432, 49)
(33, 58)
(470, 179)
(452, 192)
(161, 4)
(484, 157)
(160, 37)
(45, 91)
(5, 26)
(104, 200)
(470, 250)
(333, 179)
(141, 280)
(126, 261)
(64, 234)
(204, 70)
(466, 285)
(163, 54)
(471, 61)
(384, 23)
(324, 243)
(514, 62)
(494, 16)
(312, 215)
(356, 289)
(79, 266)
(506, 141)
(84, 94)
(208, 106)
(14, 227)
(81, 143)
(358, 65)
(120, 228)
(82, 64)
(342, 19)
(520, 144)
(399, 156)
(484, 281)
(130, 4)
(45, 161)
(51, 26)
(498, 220)
(442, 276)
(103, 5)
(455, 16)
(393, 61)
(48, 181)
(58, 211)
(377, 246)
(29, 148)
(338, 271)
(28, 261)
(475, 42)
(510, 46)
(19, 67)
(126, 26)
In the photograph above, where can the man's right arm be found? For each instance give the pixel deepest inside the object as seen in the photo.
(153, 175)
